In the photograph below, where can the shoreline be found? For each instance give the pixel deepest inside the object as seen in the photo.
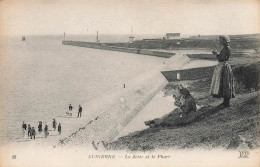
(136, 86)
(114, 96)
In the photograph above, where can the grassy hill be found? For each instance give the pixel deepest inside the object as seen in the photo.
(236, 127)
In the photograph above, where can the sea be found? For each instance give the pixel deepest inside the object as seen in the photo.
(40, 77)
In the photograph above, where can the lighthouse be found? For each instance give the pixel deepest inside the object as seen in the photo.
(131, 38)
(97, 38)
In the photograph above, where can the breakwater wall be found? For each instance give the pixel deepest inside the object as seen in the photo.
(119, 49)
(243, 43)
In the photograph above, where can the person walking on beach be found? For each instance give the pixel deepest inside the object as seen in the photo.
(24, 127)
(59, 128)
(46, 131)
(222, 85)
(54, 123)
(33, 133)
(70, 110)
(29, 130)
(40, 127)
(70, 107)
(80, 111)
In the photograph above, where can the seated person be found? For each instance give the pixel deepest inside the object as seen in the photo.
(187, 110)
(179, 101)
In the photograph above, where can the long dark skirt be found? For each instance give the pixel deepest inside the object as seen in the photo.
(222, 84)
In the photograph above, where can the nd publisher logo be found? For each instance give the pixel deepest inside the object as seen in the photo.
(243, 154)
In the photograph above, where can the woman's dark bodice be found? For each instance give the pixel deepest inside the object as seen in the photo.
(189, 105)
(224, 54)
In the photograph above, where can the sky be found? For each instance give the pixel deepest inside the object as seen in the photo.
(42, 17)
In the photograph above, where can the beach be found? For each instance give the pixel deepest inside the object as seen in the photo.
(38, 80)
(41, 77)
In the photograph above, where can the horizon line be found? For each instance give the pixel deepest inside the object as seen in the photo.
(124, 34)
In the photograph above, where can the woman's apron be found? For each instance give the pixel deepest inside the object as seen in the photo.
(222, 84)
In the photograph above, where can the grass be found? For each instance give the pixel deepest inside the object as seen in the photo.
(214, 127)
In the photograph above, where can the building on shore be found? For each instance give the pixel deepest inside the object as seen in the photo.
(173, 35)
(131, 39)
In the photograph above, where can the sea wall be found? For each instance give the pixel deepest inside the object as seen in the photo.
(119, 49)
(115, 109)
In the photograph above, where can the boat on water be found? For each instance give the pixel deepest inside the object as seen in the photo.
(23, 38)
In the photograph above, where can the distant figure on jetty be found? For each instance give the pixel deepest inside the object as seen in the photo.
(40, 127)
(180, 116)
(24, 127)
(29, 130)
(80, 111)
(54, 123)
(222, 85)
(59, 128)
(33, 133)
(46, 131)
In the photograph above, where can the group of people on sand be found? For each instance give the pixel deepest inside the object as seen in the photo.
(31, 130)
(69, 113)
(222, 86)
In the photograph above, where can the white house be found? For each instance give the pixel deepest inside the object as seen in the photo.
(173, 35)
(131, 39)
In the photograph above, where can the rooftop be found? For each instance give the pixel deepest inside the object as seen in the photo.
(173, 34)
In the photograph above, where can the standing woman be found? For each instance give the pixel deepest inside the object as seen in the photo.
(222, 85)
